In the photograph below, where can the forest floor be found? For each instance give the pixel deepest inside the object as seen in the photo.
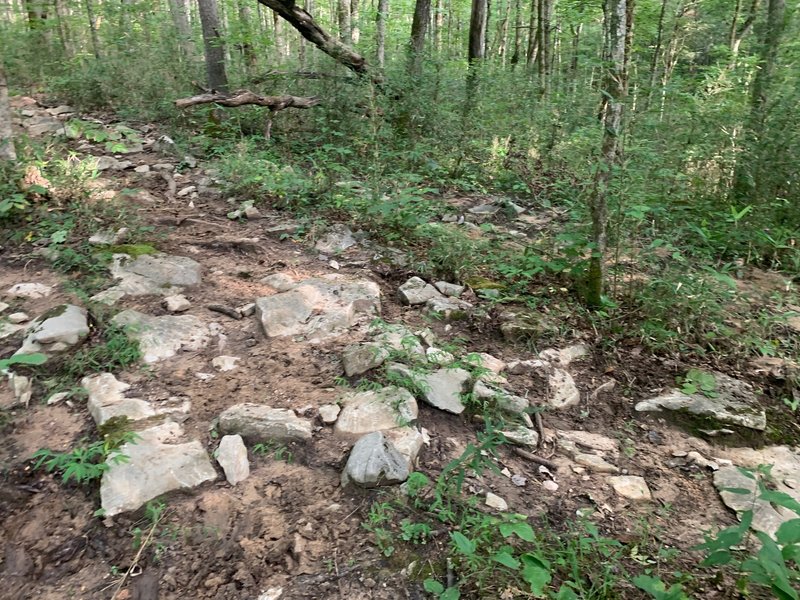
(290, 530)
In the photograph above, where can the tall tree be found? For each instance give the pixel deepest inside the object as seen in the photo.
(380, 32)
(343, 11)
(7, 152)
(747, 177)
(216, 76)
(419, 27)
(543, 59)
(614, 89)
(517, 32)
(177, 10)
(477, 30)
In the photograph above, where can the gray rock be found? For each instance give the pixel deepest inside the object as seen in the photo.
(515, 406)
(247, 310)
(259, 423)
(58, 398)
(60, 110)
(365, 412)
(400, 339)
(374, 461)
(568, 439)
(109, 238)
(32, 291)
(150, 274)
(484, 209)
(4, 307)
(337, 239)
(565, 356)
(595, 463)
(162, 337)
(736, 404)
(185, 191)
(417, 291)
(486, 361)
(232, 457)
(443, 389)
(449, 289)
(43, 125)
(9, 329)
(521, 367)
(107, 400)
(496, 502)
(521, 436)
(329, 413)
(251, 212)
(360, 358)
(319, 308)
(153, 468)
(57, 330)
(21, 390)
(563, 391)
(439, 357)
(408, 441)
(18, 317)
(448, 309)
(177, 303)
(631, 487)
(143, 169)
(280, 282)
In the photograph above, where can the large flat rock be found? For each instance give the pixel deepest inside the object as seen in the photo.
(260, 423)
(153, 468)
(735, 404)
(150, 274)
(61, 328)
(162, 337)
(365, 412)
(318, 308)
(375, 461)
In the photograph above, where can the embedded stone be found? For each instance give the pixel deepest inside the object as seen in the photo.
(417, 291)
(258, 423)
(365, 412)
(374, 461)
(232, 457)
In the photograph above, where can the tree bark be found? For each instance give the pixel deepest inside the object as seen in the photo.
(533, 34)
(615, 25)
(517, 32)
(419, 27)
(543, 37)
(477, 31)
(244, 97)
(7, 151)
(355, 30)
(746, 182)
(214, 46)
(92, 28)
(177, 10)
(738, 32)
(380, 32)
(303, 22)
(345, 23)
(249, 55)
(438, 25)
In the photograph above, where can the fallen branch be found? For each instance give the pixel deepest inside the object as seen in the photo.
(244, 97)
(536, 459)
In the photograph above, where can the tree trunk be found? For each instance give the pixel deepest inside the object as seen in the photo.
(612, 98)
(92, 28)
(746, 183)
(380, 32)
(517, 32)
(249, 55)
(477, 31)
(438, 25)
(502, 34)
(345, 24)
(177, 10)
(7, 152)
(303, 22)
(419, 26)
(543, 54)
(533, 34)
(355, 30)
(214, 48)
(739, 32)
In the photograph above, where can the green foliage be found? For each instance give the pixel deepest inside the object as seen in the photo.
(697, 380)
(276, 450)
(33, 359)
(87, 462)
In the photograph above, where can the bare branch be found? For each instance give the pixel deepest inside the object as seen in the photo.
(244, 97)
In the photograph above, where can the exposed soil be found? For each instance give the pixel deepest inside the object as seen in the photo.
(290, 525)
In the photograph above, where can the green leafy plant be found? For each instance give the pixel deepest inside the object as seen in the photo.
(277, 450)
(33, 359)
(700, 381)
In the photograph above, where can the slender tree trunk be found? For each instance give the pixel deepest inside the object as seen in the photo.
(533, 35)
(543, 54)
(419, 26)
(248, 53)
(180, 20)
(7, 151)
(92, 28)
(656, 54)
(216, 76)
(502, 34)
(345, 24)
(517, 32)
(477, 31)
(747, 179)
(380, 32)
(739, 32)
(355, 30)
(612, 98)
(438, 25)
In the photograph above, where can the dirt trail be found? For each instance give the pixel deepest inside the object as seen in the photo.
(290, 526)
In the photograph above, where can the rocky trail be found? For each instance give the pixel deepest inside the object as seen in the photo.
(253, 430)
